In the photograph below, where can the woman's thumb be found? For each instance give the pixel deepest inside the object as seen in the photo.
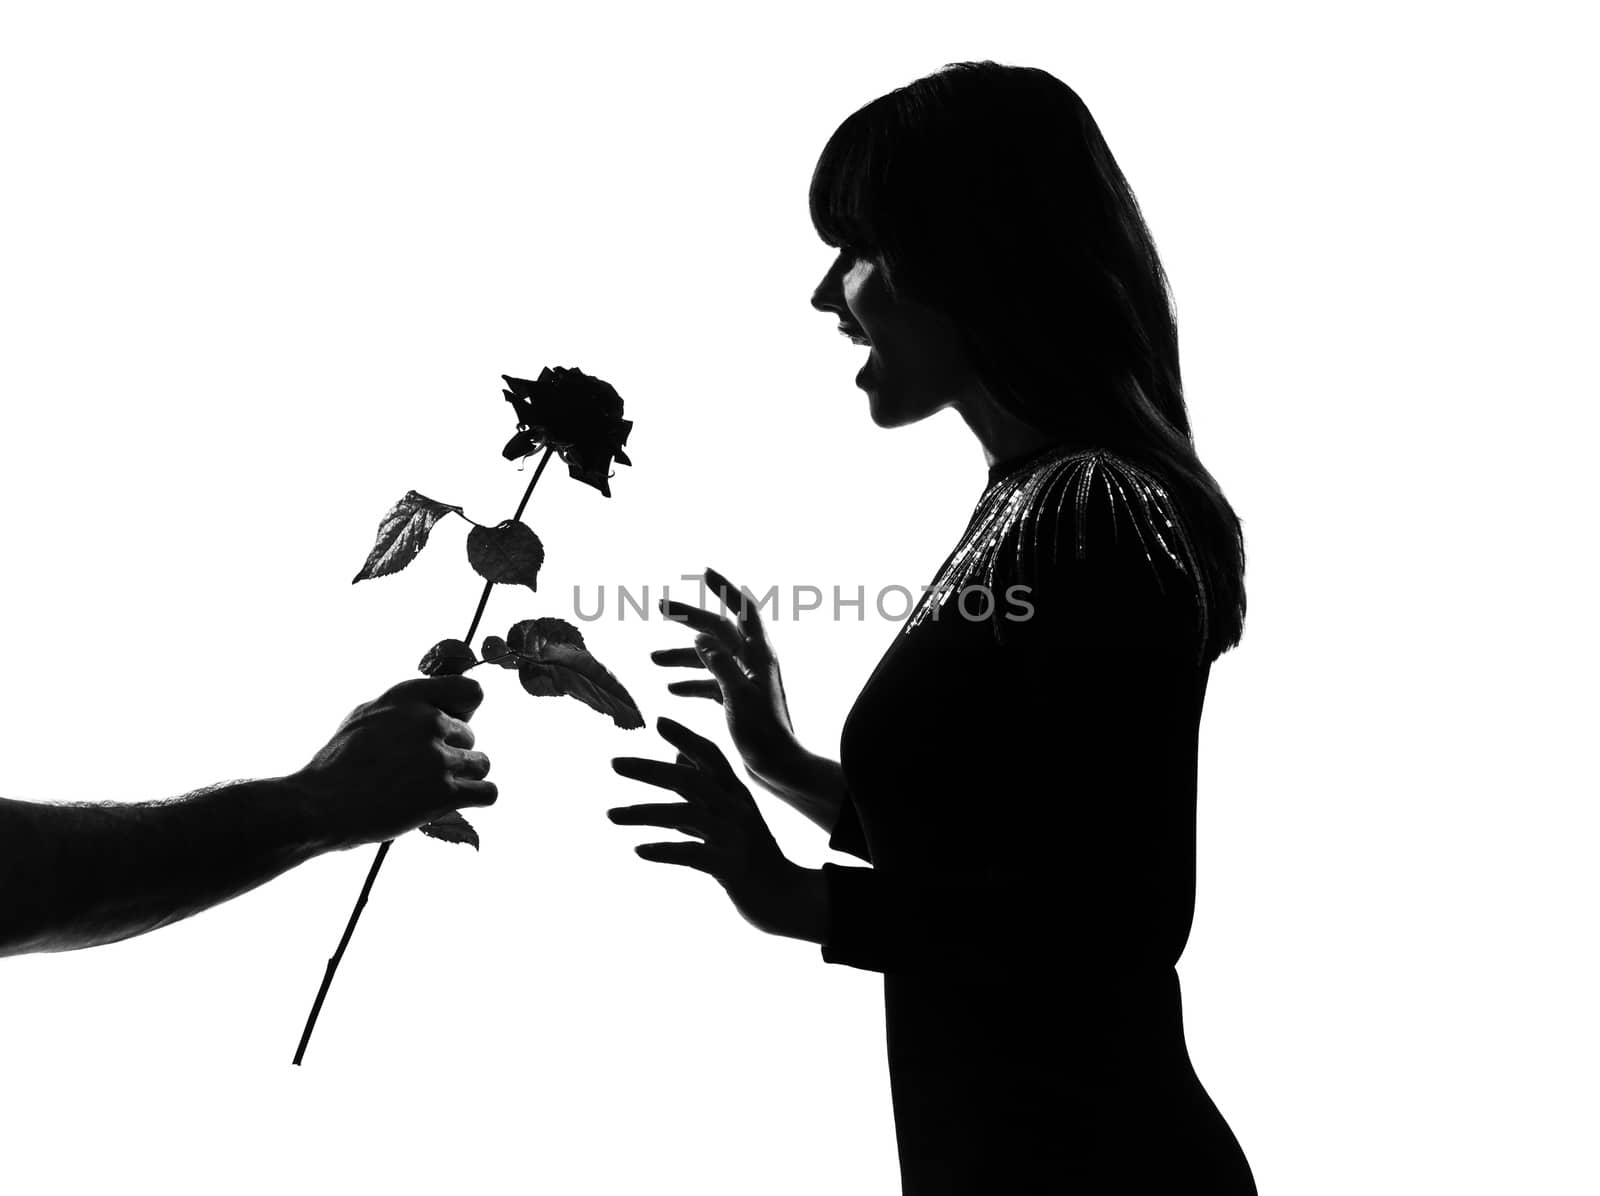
(721, 665)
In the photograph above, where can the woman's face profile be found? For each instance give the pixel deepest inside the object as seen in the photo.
(917, 362)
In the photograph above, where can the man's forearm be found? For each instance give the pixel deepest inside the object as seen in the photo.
(74, 875)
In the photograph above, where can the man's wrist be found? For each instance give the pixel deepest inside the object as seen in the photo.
(308, 814)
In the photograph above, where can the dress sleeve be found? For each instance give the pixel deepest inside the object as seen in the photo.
(848, 835)
(1081, 842)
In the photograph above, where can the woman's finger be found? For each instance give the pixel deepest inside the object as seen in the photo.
(702, 621)
(673, 815)
(723, 665)
(696, 689)
(677, 658)
(677, 777)
(699, 749)
(732, 597)
(746, 612)
(690, 855)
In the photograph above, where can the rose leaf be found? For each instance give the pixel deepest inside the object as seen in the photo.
(509, 553)
(554, 665)
(497, 651)
(402, 533)
(447, 658)
(452, 828)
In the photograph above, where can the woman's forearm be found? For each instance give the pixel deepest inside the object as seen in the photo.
(814, 786)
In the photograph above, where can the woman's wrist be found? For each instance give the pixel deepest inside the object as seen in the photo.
(812, 785)
(806, 916)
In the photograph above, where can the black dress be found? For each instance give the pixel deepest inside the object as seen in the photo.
(1022, 782)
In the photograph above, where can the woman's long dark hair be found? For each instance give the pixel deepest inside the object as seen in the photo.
(989, 193)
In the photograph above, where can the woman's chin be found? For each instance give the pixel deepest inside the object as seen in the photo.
(895, 419)
(890, 411)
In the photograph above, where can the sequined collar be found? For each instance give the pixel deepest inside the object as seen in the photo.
(1001, 470)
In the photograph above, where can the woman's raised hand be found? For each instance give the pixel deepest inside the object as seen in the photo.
(734, 844)
(744, 678)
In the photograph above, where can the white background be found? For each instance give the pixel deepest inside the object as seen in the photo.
(260, 270)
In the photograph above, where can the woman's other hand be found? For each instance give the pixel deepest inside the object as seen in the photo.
(735, 845)
(745, 679)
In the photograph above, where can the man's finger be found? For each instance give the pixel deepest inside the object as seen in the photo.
(472, 766)
(455, 732)
(473, 793)
(457, 695)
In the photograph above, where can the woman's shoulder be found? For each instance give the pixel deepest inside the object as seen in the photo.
(1097, 508)
(1088, 532)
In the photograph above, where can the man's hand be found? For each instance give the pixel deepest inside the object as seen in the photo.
(76, 875)
(398, 761)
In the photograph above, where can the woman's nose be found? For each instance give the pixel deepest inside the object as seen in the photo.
(829, 295)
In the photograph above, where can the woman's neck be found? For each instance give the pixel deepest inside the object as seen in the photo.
(1002, 435)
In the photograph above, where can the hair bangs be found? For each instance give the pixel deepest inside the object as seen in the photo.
(848, 184)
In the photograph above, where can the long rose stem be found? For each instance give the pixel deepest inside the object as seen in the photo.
(333, 961)
(383, 848)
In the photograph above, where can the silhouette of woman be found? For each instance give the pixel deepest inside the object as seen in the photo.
(1019, 770)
